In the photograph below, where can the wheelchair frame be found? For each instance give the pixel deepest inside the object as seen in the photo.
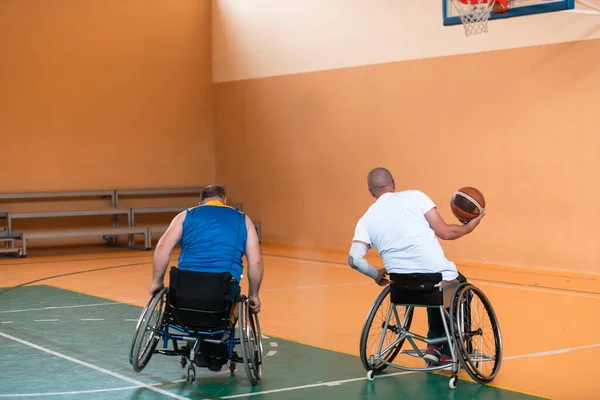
(250, 339)
(459, 340)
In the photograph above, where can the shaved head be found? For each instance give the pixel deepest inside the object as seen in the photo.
(380, 181)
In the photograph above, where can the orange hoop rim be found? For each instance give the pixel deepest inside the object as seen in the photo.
(502, 3)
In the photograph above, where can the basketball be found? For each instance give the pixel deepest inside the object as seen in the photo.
(467, 203)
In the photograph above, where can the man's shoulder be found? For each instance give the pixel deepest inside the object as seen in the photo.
(410, 195)
(214, 208)
(408, 192)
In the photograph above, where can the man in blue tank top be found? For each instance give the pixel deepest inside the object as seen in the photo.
(214, 238)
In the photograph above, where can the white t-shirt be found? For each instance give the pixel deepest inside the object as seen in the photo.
(396, 226)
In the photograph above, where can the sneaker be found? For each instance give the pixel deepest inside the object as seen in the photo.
(445, 360)
(432, 355)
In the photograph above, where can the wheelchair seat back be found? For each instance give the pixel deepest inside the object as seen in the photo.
(200, 300)
(421, 290)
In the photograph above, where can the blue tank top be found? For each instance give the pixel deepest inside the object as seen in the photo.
(213, 239)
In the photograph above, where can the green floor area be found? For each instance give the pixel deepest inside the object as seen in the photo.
(93, 336)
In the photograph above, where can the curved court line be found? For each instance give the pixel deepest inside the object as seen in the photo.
(73, 273)
(75, 260)
(94, 367)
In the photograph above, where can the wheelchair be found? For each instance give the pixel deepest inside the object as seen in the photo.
(202, 310)
(469, 324)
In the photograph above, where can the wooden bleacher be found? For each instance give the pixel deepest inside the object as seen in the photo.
(8, 236)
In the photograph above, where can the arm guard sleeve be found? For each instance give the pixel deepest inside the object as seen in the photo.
(356, 259)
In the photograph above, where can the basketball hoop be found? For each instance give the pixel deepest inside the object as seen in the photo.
(475, 14)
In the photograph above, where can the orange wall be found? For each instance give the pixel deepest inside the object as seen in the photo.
(518, 124)
(105, 94)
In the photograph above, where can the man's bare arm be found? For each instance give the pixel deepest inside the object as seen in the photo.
(255, 265)
(162, 253)
(449, 231)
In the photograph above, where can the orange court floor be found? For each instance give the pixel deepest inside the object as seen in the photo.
(549, 321)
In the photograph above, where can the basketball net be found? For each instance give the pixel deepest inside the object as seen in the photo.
(475, 14)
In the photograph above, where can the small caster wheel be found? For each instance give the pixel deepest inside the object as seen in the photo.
(370, 375)
(191, 375)
(183, 362)
(232, 367)
(453, 382)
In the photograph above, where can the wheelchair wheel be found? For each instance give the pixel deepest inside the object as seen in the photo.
(147, 334)
(250, 342)
(477, 333)
(373, 330)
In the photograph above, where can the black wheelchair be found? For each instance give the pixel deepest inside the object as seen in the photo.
(202, 310)
(470, 324)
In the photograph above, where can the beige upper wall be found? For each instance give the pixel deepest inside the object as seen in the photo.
(261, 38)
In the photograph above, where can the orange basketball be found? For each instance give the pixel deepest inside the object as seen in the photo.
(467, 203)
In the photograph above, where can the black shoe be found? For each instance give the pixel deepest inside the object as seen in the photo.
(216, 364)
(202, 360)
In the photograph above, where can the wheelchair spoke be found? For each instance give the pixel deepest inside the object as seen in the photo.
(373, 331)
(477, 334)
(148, 331)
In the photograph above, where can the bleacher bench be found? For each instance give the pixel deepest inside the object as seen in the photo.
(80, 232)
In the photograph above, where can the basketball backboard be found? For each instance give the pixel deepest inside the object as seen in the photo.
(516, 8)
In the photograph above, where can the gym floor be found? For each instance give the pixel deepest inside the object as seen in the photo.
(67, 318)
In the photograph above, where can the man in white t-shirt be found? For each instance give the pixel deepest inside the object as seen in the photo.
(403, 226)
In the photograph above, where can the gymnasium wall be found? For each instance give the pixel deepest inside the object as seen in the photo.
(105, 94)
(310, 95)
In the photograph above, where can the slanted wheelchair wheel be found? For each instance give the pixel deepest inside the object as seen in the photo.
(250, 342)
(477, 333)
(147, 334)
(373, 330)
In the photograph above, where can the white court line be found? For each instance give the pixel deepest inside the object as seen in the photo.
(551, 352)
(73, 392)
(265, 336)
(273, 344)
(94, 367)
(131, 319)
(57, 307)
(534, 289)
(6, 322)
(92, 319)
(330, 383)
(271, 353)
(82, 391)
(45, 320)
(337, 383)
